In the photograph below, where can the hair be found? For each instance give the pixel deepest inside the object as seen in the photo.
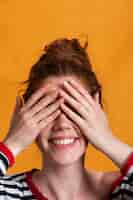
(63, 57)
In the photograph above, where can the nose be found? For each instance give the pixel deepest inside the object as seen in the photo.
(62, 123)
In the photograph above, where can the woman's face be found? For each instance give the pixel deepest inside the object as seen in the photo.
(63, 127)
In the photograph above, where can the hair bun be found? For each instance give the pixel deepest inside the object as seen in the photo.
(65, 48)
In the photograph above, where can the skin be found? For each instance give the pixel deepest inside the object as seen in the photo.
(87, 121)
(54, 162)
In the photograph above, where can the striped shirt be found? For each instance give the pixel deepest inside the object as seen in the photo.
(20, 185)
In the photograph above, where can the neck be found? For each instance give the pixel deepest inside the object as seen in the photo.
(71, 179)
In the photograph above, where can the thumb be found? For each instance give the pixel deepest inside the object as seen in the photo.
(19, 103)
(96, 97)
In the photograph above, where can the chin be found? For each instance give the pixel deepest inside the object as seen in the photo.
(67, 156)
(67, 159)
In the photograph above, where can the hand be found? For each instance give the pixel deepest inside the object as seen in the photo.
(89, 116)
(27, 121)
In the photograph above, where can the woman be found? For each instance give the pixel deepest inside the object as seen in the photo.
(63, 113)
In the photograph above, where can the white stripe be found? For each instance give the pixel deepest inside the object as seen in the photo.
(27, 193)
(11, 182)
(11, 190)
(4, 155)
(2, 167)
(2, 197)
(19, 177)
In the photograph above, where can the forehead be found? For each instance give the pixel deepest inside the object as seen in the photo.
(58, 81)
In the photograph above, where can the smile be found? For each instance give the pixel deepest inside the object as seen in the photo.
(64, 143)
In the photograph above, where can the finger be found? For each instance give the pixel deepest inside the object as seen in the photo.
(43, 103)
(36, 96)
(96, 98)
(74, 117)
(76, 105)
(16, 108)
(43, 123)
(45, 112)
(75, 127)
(80, 98)
(81, 90)
(18, 104)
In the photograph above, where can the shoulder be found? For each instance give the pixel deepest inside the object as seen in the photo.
(103, 180)
(110, 177)
(107, 181)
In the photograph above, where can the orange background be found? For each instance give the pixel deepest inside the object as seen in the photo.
(26, 26)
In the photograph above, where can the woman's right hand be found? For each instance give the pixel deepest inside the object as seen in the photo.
(27, 121)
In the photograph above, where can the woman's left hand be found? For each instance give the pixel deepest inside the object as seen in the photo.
(93, 122)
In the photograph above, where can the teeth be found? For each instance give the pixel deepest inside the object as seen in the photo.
(65, 141)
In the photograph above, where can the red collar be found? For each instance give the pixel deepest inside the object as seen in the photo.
(32, 186)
